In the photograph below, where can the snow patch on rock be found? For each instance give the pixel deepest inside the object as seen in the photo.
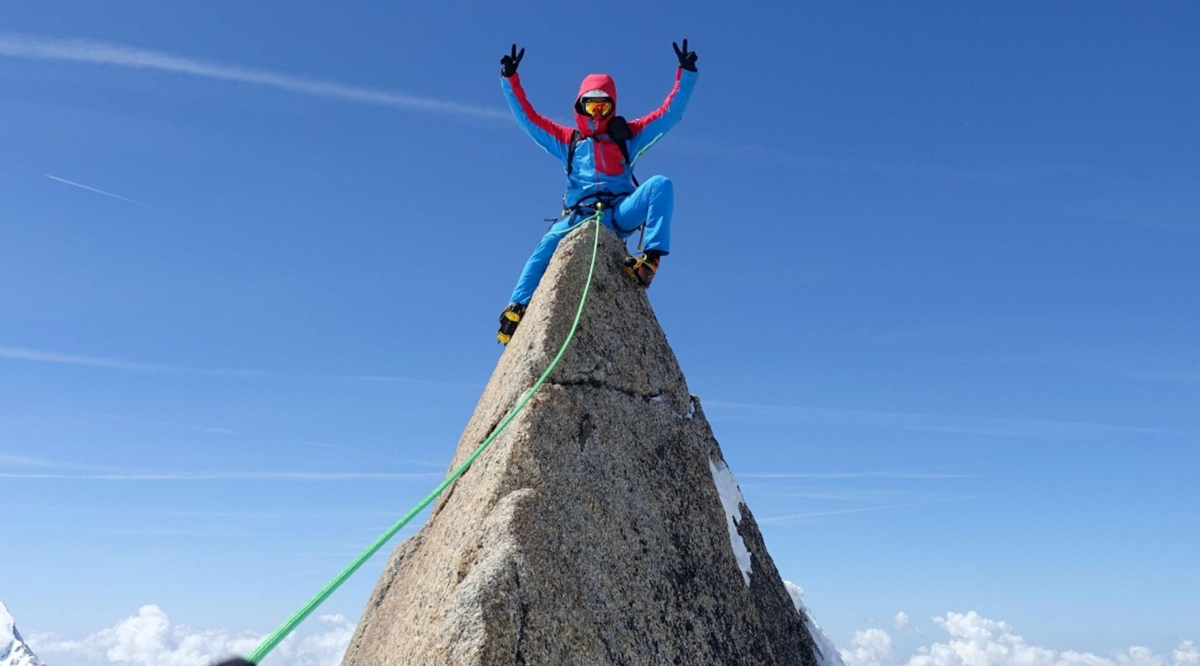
(691, 412)
(827, 653)
(13, 650)
(732, 501)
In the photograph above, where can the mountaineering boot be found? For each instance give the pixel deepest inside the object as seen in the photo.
(642, 268)
(508, 322)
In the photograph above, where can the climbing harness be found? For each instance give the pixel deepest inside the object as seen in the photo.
(593, 205)
(272, 641)
(590, 204)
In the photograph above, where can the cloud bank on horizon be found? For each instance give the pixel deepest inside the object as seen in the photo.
(974, 640)
(150, 639)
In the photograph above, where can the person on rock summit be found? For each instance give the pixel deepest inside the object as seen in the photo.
(599, 158)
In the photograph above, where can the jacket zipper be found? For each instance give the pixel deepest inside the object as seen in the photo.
(599, 154)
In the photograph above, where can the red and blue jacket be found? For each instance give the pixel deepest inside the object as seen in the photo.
(597, 164)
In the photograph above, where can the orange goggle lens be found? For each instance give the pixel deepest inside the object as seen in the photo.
(594, 107)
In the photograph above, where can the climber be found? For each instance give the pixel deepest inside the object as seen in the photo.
(599, 158)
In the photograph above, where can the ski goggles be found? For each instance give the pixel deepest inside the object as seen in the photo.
(597, 106)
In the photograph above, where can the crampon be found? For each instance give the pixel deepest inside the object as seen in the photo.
(642, 269)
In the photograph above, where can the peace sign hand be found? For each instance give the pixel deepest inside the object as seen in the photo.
(508, 63)
(687, 59)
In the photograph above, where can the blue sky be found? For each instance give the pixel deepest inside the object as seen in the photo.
(934, 276)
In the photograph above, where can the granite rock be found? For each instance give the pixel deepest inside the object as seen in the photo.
(592, 531)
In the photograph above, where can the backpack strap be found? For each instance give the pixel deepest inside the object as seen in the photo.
(576, 137)
(619, 132)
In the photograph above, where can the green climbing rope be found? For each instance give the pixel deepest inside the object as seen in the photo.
(270, 642)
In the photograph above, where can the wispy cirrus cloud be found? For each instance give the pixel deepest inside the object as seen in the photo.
(1096, 362)
(42, 469)
(11, 460)
(31, 47)
(853, 475)
(219, 476)
(755, 491)
(41, 356)
(996, 426)
(97, 191)
(841, 512)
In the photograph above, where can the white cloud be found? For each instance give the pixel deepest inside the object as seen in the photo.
(904, 623)
(1186, 655)
(1072, 658)
(872, 647)
(149, 639)
(102, 53)
(974, 640)
(978, 641)
(323, 649)
(1139, 656)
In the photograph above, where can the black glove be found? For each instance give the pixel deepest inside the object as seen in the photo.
(508, 63)
(237, 661)
(687, 59)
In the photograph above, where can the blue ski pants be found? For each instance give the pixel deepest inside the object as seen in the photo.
(652, 203)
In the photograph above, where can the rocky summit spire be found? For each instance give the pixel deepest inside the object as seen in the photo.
(602, 527)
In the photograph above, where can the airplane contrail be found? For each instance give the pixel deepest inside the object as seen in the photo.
(104, 53)
(97, 191)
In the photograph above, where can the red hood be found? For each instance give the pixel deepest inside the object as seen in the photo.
(595, 82)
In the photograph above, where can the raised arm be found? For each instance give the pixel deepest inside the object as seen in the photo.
(652, 126)
(554, 138)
